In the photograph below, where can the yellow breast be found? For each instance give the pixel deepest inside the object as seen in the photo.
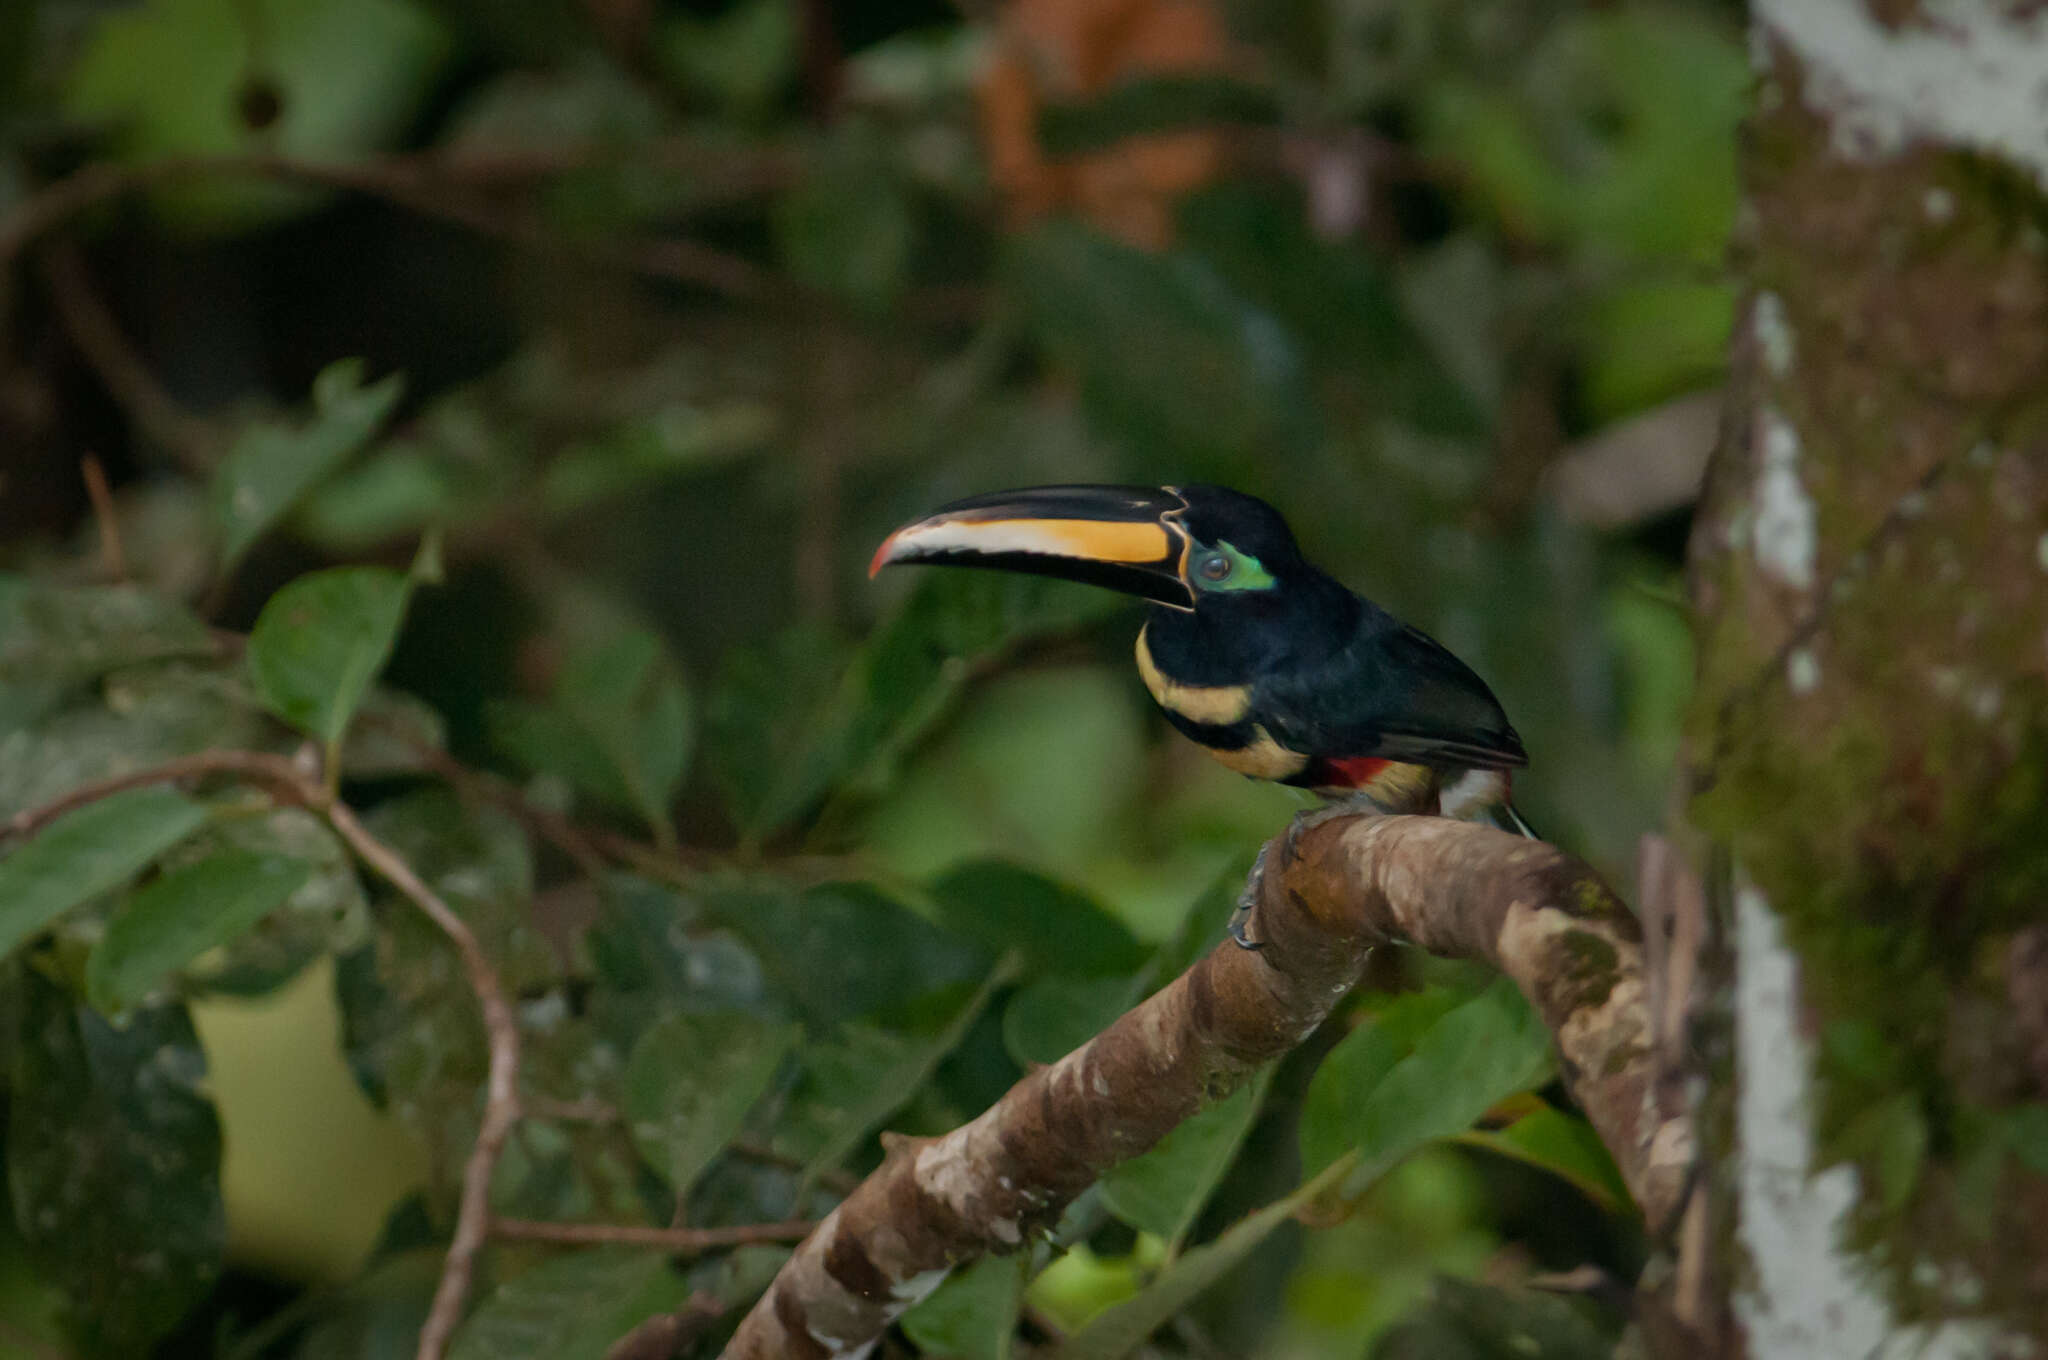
(1221, 705)
(1262, 758)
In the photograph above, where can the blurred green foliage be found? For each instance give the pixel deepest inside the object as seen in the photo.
(634, 327)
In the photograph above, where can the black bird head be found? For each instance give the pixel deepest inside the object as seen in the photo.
(1187, 548)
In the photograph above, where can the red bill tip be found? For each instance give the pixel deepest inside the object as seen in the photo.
(881, 557)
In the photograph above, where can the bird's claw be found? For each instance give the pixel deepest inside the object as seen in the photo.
(1247, 901)
(1308, 819)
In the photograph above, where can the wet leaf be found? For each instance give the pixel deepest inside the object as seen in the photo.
(651, 957)
(1162, 1190)
(144, 715)
(54, 640)
(273, 463)
(691, 1081)
(88, 852)
(181, 915)
(113, 1162)
(843, 950)
(1053, 928)
(572, 1307)
(410, 1029)
(617, 727)
(764, 736)
(865, 1074)
(321, 640)
(972, 1315)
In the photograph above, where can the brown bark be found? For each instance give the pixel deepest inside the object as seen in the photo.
(1455, 889)
(1870, 572)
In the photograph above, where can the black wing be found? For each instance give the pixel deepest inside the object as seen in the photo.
(1395, 693)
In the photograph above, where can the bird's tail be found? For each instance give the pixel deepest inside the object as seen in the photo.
(1504, 816)
(1485, 796)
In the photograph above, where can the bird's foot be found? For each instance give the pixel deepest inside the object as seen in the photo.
(1247, 902)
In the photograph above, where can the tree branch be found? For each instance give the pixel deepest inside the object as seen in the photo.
(193, 440)
(680, 1241)
(1462, 891)
(449, 186)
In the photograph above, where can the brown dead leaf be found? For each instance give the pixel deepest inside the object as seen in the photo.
(1059, 51)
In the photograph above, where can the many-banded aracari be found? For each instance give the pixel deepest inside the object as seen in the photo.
(1270, 664)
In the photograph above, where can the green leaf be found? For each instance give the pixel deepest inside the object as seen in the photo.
(856, 1082)
(843, 950)
(903, 679)
(410, 1031)
(1562, 1144)
(1122, 1328)
(53, 640)
(171, 78)
(765, 737)
(618, 728)
(1479, 1322)
(690, 1082)
(321, 640)
(113, 1165)
(1171, 357)
(183, 914)
(274, 463)
(972, 1315)
(1162, 1190)
(143, 715)
(327, 914)
(1054, 929)
(1385, 1104)
(848, 230)
(2025, 1131)
(1619, 142)
(1889, 1136)
(649, 957)
(1357, 1065)
(677, 439)
(1652, 341)
(572, 1307)
(85, 853)
(1339, 299)
(376, 1316)
(1051, 1016)
(743, 57)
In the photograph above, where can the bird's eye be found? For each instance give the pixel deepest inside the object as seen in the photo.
(1214, 567)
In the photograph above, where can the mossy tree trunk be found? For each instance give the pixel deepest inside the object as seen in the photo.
(1869, 745)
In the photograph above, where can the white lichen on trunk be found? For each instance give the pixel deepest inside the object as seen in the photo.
(1784, 533)
(1962, 73)
(1806, 1296)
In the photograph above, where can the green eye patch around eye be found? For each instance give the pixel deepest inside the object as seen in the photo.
(1245, 573)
